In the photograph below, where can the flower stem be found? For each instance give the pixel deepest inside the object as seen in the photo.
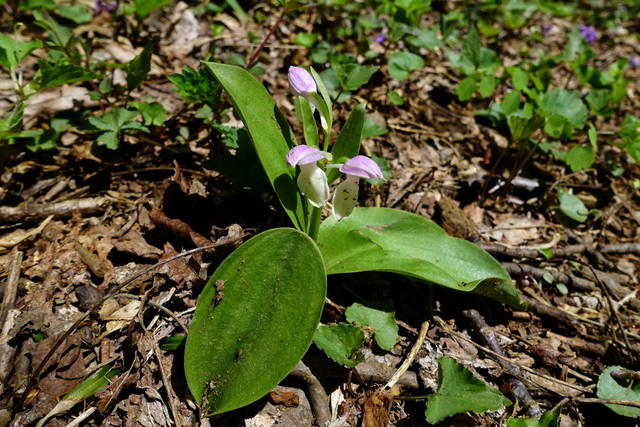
(314, 223)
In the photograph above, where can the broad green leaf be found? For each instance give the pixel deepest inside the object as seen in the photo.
(572, 206)
(348, 142)
(359, 76)
(270, 134)
(12, 51)
(341, 343)
(138, 67)
(487, 85)
(382, 321)
(522, 128)
(57, 74)
(511, 102)
(381, 239)
(459, 391)
(619, 389)
(255, 319)
(567, 104)
(402, 63)
(145, 7)
(466, 88)
(580, 157)
(548, 419)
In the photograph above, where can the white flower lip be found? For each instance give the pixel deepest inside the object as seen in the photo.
(363, 167)
(300, 82)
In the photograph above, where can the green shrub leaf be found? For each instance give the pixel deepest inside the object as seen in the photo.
(381, 239)
(255, 319)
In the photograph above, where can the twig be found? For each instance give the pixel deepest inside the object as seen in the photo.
(593, 254)
(317, 396)
(30, 211)
(409, 360)
(537, 272)
(266, 38)
(610, 401)
(487, 335)
(614, 312)
(550, 311)
(10, 294)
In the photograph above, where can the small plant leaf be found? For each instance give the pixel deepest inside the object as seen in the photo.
(487, 85)
(522, 128)
(572, 206)
(57, 74)
(255, 319)
(459, 391)
(270, 134)
(619, 389)
(381, 239)
(12, 51)
(145, 7)
(567, 104)
(548, 419)
(341, 343)
(382, 321)
(511, 102)
(402, 63)
(139, 67)
(580, 157)
(466, 88)
(359, 76)
(371, 129)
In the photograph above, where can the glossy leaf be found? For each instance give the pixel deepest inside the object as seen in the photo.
(139, 67)
(270, 134)
(548, 419)
(572, 206)
(348, 142)
(255, 319)
(381, 239)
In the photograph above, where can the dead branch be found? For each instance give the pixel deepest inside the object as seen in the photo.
(550, 311)
(32, 212)
(486, 334)
(317, 396)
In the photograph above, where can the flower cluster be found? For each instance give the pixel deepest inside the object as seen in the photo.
(312, 180)
(102, 5)
(588, 33)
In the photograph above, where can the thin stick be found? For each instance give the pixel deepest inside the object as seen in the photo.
(409, 360)
(10, 294)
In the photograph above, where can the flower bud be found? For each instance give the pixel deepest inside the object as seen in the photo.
(300, 82)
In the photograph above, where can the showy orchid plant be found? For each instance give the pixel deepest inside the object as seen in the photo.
(258, 314)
